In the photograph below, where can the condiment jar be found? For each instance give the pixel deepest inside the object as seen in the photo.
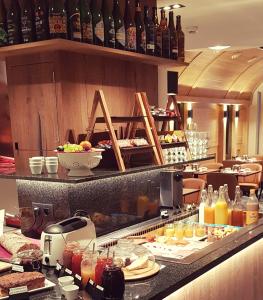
(113, 282)
(68, 253)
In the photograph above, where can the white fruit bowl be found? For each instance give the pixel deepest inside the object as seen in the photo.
(80, 163)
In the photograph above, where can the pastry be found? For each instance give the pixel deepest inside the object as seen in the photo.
(15, 242)
(33, 280)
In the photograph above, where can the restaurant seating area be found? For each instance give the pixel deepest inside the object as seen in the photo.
(245, 173)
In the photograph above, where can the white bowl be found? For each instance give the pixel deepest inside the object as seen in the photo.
(80, 163)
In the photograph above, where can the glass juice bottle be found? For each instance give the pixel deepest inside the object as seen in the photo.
(252, 209)
(229, 204)
(209, 208)
(237, 212)
(221, 208)
(202, 207)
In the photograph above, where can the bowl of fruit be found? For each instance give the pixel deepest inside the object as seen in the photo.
(79, 159)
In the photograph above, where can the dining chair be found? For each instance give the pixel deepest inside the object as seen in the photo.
(193, 183)
(229, 163)
(212, 166)
(251, 181)
(219, 179)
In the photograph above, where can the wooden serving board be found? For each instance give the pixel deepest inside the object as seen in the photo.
(141, 273)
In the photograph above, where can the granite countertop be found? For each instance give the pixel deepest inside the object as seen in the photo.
(96, 174)
(173, 276)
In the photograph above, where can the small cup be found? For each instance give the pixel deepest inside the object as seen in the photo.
(65, 280)
(52, 168)
(71, 292)
(36, 169)
(51, 159)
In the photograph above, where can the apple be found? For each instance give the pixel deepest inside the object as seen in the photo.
(86, 145)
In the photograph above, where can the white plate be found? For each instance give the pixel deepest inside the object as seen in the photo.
(48, 285)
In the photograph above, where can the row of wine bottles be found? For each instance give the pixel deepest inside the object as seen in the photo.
(91, 22)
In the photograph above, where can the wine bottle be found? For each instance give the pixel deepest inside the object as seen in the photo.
(3, 25)
(73, 13)
(109, 27)
(98, 25)
(157, 33)
(119, 26)
(27, 21)
(13, 23)
(180, 36)
(57, 19)
(149, 28)
(140, 29)
(130, 28)
(41, 20)
(165, 36)
(86, 22)
(173, 37)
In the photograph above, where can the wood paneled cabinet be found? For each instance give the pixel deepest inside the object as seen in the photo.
(52, 92)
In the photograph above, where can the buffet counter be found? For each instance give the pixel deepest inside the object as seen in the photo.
(231, 270)
(113, 199)
(95, 174)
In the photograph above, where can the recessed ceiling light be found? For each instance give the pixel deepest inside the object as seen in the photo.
(218, 47)
(173, 6)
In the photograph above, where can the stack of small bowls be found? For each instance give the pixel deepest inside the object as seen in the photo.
(67, 287)
(51, 164)
(36, 164)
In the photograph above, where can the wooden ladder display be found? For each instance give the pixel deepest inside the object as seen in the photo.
(140, 115)
(166, 126)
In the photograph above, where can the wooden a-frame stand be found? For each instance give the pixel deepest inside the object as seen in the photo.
(141, 110)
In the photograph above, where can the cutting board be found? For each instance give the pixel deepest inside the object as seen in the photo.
(141, 273)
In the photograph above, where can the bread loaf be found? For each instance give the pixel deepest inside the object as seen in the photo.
(15, 242)
(33, 280)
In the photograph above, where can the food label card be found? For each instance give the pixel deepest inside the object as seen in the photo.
(19, 293)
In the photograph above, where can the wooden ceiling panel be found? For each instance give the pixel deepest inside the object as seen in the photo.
(191, 74)
(226, 75)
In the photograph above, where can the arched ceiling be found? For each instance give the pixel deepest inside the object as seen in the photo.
(224, 75)
(233, 74)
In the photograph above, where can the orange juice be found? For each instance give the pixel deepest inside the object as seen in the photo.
(221, 208)
(230, 211)
(209, 215)
(179, 231)
(189, 230)
(87, 274)
(169, 230)
(200, 230)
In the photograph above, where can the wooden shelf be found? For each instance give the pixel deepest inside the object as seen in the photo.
(121, 119)
(172, 145)
(164, 118)
(136, 150)
(86, 49)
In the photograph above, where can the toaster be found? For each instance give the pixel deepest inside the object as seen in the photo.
(55, 237)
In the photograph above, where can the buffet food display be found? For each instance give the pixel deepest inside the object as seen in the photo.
(80, 264)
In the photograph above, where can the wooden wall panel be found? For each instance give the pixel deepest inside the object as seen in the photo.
(58, 93)
(239, 277)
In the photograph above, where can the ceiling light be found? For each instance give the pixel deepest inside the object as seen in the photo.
(177, 6)
(218, 47)
(173, 6)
